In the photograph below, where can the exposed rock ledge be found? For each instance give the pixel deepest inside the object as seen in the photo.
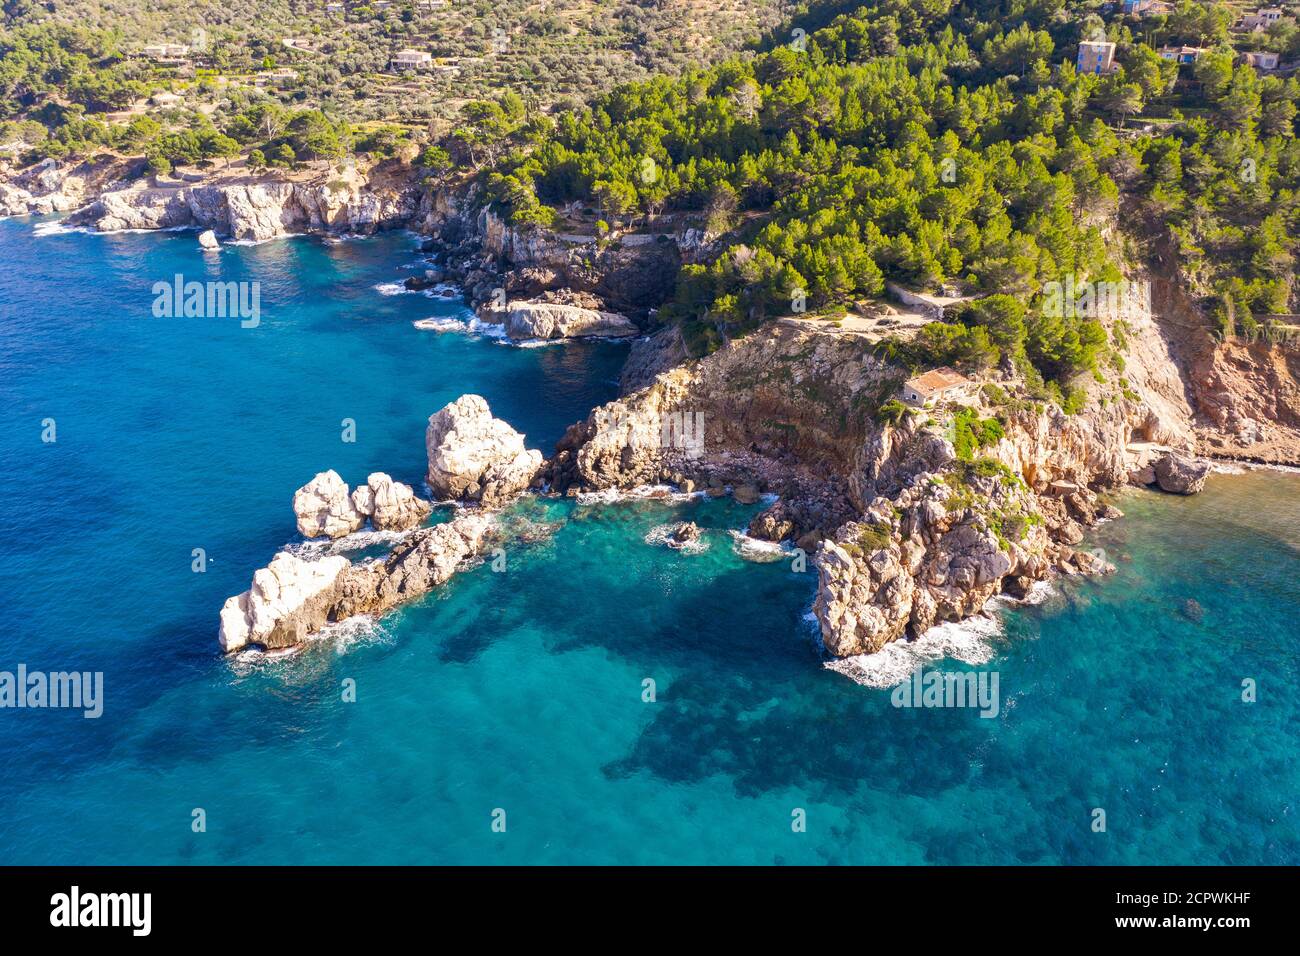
(293, 598)
(471, 455)
(50, 186)
(553, 320)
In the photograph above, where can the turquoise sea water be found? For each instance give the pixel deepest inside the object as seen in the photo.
(522, 691)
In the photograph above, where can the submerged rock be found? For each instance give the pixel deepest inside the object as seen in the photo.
(475, 457)
(1193, 611)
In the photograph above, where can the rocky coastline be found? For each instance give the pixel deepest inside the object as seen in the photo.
(476, 462)
(903, 531)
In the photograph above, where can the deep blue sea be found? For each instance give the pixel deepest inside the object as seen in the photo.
(522, 691)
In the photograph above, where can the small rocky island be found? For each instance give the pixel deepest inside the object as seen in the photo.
(474, 459)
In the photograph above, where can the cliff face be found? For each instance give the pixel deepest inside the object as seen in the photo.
(1248, 400)
(1244, 393)
(906, 532)
(630, 275)
(256, 209)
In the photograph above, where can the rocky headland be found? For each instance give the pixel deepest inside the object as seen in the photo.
(905, 531)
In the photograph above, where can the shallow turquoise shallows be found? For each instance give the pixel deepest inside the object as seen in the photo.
(522, 691)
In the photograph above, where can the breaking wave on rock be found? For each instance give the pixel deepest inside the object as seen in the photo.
(312, 548)
(758, 550)
(661, 534)
(611, 496)
(340, 637)
(471, 326)
(970, 641)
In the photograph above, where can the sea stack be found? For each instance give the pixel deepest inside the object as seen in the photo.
(475, 457)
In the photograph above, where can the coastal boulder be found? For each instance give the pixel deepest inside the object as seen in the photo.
(1180, 474)
(475, 457)
(208, 240)
(290, 598)
(324, 508)
(390, 505)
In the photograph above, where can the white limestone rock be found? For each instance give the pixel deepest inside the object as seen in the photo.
(390, 505)
(290, 598)
(476, 457)
(549, 320)
(324, 508)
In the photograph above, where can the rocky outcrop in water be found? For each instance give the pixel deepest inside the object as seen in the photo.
(475, 457)
(292, 598)
(472, 456)
(390, 505)
(324, 507)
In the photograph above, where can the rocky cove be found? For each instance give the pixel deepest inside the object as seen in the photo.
(903, 530)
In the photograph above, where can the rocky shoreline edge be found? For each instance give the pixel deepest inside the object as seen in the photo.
(905, 530)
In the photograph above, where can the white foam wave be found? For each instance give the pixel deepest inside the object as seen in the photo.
(757, 550)
(610, 496)
(356, 541)
(258, 242)
(390, 288)
(1287, 469)
(661, 534)
(340, 636)
(1038, 592)
(471, 326)
(969, 641)
(59, 228)
(351, 632)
